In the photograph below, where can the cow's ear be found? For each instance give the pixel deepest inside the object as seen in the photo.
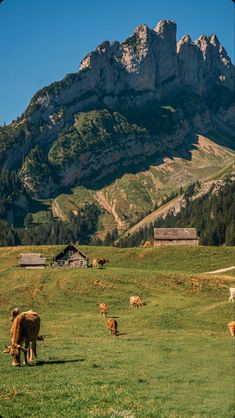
(23, 349)
(7, 350)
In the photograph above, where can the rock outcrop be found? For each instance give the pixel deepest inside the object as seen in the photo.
(149, 63)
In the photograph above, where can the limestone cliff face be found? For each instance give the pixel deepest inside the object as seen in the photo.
(204, 63)
(149, 62)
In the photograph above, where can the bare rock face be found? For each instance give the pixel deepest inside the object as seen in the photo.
(204, 63)
(190, 63)
(148, 63)
(165, 51)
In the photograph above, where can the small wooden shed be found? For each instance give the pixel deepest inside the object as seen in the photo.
(175, 236)
(71, 256)
(32, 261)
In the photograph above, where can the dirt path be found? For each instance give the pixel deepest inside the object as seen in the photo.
(156, 214)
(220, 270)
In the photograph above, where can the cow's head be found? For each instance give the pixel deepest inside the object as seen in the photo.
(14, 351)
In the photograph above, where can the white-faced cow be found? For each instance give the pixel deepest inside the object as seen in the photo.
(231, 294)
(25, 329)
(231, 327)
(136, 301)
(104, 309)
(99, 262)
(112, 326)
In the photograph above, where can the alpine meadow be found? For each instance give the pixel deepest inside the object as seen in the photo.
(172, 357)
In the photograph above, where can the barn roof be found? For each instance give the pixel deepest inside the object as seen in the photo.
(175, 233)
(32, 259)
(78, 255)
(67, 248)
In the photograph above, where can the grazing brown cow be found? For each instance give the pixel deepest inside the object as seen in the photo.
(112, 326)
(25, 329)
(104, 309)
(148, 244)
(99, 262)
(231, 327)
(135, 301)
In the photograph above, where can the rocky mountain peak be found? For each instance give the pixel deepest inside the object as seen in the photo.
(166, 28)
(148, 63)
(214, 40)
(148, 58)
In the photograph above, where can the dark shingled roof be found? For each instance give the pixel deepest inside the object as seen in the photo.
(175, 233)
(32, 259)
(78, 256)
(67, 248)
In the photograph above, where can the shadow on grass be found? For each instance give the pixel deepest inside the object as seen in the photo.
(51, 362)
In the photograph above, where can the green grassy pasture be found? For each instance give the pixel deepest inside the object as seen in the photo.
(174, 357)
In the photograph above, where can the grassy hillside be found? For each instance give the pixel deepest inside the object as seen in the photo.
(171, 359)
(129, 198)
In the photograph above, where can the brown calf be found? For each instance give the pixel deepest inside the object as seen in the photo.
(112, 326)
(135, 301)
(104, 309)
(99, 262)
(231, 327)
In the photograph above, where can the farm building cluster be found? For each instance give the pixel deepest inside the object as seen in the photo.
(71, 257)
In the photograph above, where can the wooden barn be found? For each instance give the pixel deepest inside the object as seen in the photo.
(32, 261)
(70, 257)
(175, 236)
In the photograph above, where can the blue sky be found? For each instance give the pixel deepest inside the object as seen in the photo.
(42, 40)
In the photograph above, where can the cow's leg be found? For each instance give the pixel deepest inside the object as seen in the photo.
(27, 352)
(30, 355)
(34, 349)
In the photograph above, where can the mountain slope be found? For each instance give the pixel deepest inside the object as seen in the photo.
(113, 133)
(132, 196)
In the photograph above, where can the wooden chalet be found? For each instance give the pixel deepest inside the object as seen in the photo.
(32, 261)
(70, 257)
(175, 236)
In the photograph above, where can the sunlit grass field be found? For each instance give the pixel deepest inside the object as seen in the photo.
(174, 357)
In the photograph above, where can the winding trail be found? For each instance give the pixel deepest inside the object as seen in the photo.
(156, 214)
(220, 270)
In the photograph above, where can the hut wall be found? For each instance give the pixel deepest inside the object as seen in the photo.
(158, 243)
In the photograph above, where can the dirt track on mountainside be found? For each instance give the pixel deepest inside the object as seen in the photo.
(220, 270)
